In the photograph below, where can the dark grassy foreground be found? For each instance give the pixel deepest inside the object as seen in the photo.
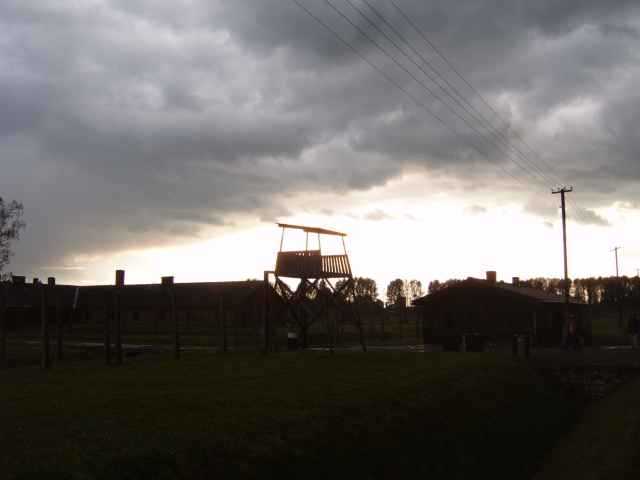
(375, 415)
(605, 444)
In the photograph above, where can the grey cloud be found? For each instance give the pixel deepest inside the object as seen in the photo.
(589, 217)
(574, 212)
(134, 122)
(543, 210)
(476, 209)
(377, 215)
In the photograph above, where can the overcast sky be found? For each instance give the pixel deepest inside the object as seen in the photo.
(142, 125)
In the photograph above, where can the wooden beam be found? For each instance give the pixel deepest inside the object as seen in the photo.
(320, 231)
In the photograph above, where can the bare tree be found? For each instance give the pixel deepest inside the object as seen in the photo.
(10, 226)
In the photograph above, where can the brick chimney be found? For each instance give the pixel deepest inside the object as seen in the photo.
(492, 276)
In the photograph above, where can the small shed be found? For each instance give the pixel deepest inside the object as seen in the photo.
(497, 311)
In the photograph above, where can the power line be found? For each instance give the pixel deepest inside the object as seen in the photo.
(400, 87)
(500, 135)
(421, 83)
(403, 52)
(556, 179)
(426, 87)
(467, 106)
(467, 83)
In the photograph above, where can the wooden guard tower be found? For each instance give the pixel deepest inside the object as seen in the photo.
(315, 273)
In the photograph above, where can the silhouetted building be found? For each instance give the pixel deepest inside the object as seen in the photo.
(24, 303)
(497, 311)
(235, 310)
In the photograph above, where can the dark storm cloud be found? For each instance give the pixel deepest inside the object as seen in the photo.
(127, 123)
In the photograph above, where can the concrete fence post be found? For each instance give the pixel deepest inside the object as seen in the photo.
(117, 317)
(225, 339)
(45, 292)
(107, 327)
(59, 325)
(167, 283)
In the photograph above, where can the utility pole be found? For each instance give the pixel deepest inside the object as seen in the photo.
(617, 265)
(563, 191)
(620, 315)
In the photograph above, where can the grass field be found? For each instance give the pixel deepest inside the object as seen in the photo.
(605, 444)
(375, 415)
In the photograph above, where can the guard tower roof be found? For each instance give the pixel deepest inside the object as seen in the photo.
(320, 231)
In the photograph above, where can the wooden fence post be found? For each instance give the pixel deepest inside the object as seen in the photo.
(59, 325)
(3, 325)
(223, 323)
(176, 322)
(45, 361)
(107, 328)
(116, 315)
(167, 283)
(74, 307)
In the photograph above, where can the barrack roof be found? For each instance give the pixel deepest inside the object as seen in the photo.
(320, 231)
(528, 292)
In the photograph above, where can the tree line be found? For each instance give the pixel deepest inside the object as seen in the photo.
(398, 291)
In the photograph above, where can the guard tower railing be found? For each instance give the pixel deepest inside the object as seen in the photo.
(311, 264)
(299, 264)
